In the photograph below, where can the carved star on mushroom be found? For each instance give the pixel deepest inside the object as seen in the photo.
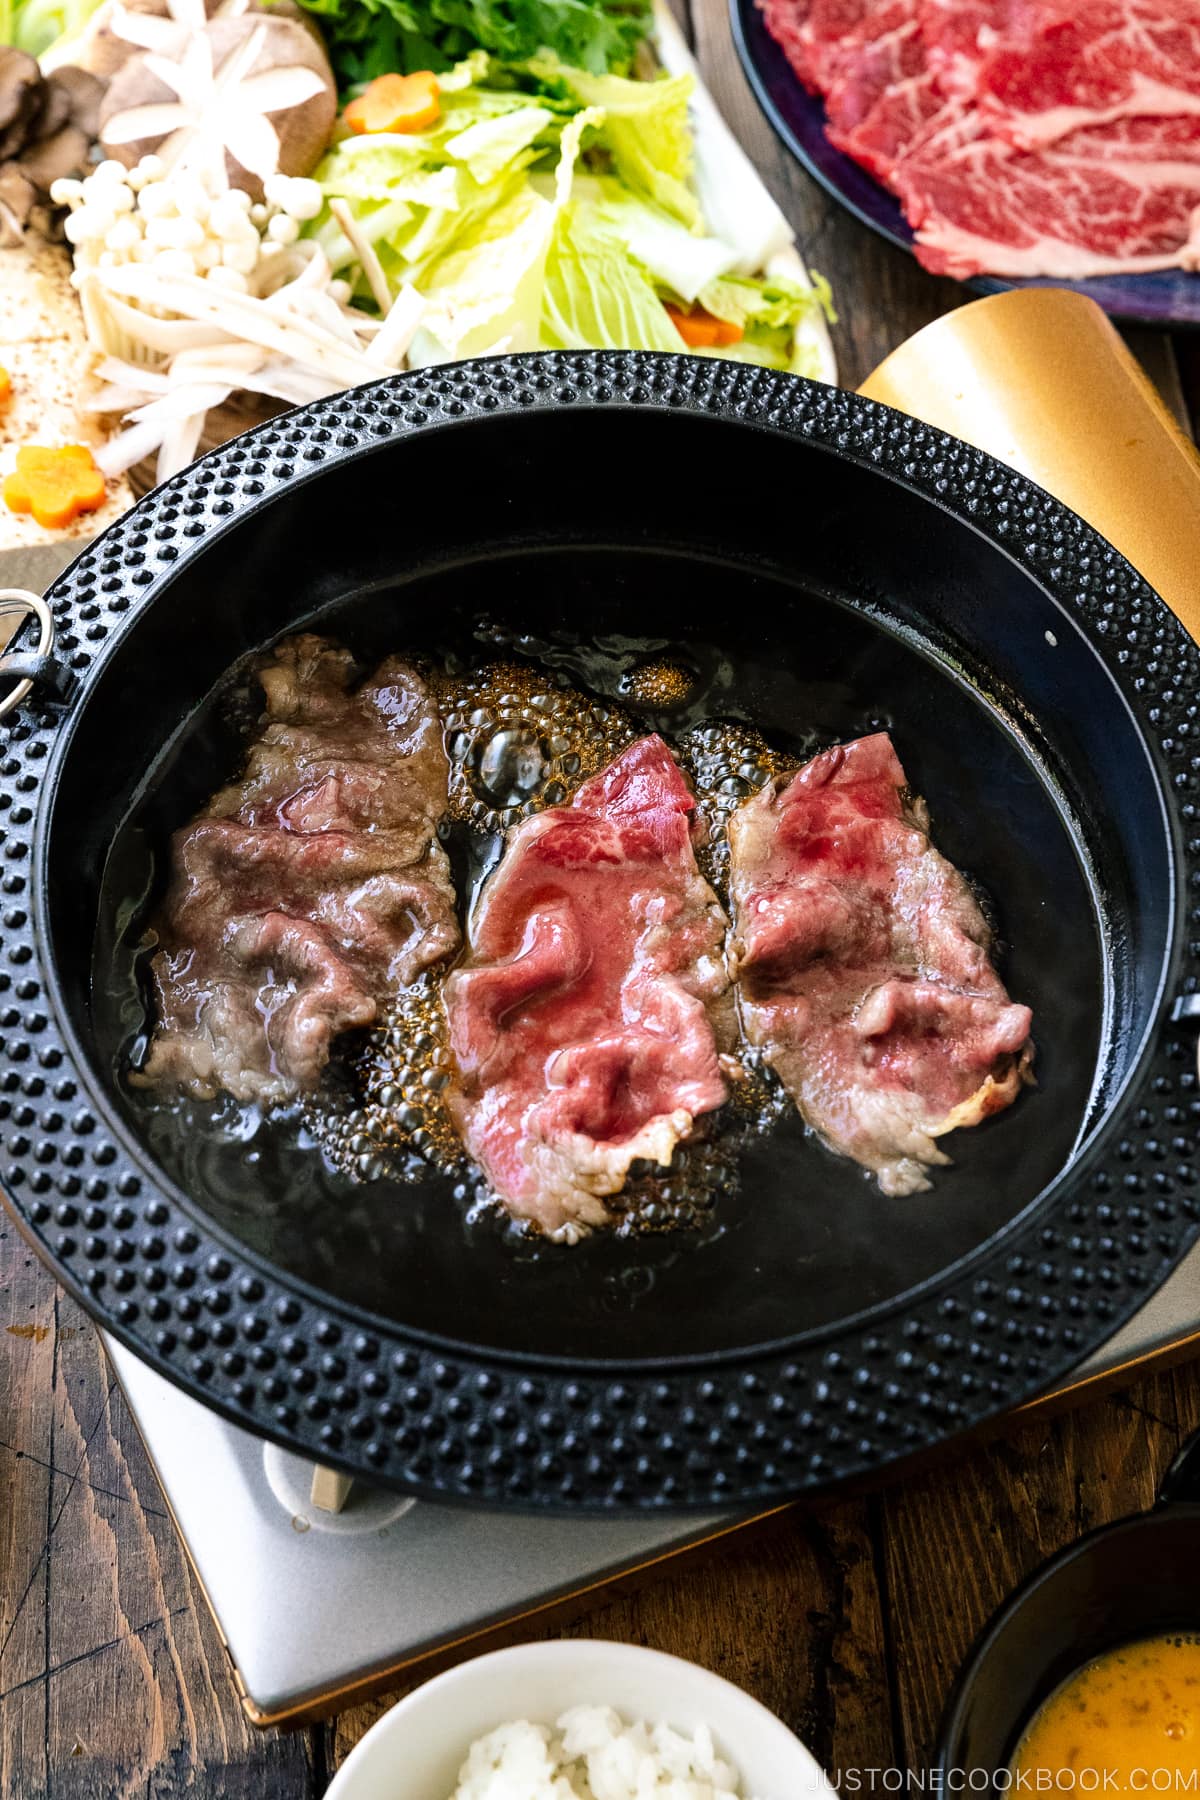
(242, 95)
(167, 32)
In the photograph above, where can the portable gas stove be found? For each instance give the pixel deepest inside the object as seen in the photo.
(319, 1604)
(317, 1607)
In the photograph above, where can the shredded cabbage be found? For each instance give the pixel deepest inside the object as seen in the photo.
(645, 130)
(550, 208)
(596, 296)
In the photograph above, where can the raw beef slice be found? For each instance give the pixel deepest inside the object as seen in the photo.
(864, 966)
(1021, 137)
(1122, 198)
(307, 891)
(587, 1018)
(1040, 69)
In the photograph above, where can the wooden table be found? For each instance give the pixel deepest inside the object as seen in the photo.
(848, 1617)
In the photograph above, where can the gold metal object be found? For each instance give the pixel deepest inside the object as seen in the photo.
(330, 1488)
(18, 604)
(1041, 380)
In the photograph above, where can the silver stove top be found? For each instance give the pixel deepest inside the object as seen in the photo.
(316, 1605)
(313, 1603)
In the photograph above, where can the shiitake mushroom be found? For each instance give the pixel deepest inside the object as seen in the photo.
(137, 97)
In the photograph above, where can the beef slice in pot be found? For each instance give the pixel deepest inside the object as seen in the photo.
(309, 890)
(864, 965)
(588, 1018)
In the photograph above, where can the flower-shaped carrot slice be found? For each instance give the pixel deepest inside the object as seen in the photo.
(396, 103)
(55, 485)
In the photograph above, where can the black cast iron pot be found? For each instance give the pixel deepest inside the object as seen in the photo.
(1139, 1578)
(828, 566)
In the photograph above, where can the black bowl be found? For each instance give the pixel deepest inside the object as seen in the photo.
(827, 565)
(1139, 1578)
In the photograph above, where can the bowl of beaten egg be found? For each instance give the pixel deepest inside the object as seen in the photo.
(1087, 1680)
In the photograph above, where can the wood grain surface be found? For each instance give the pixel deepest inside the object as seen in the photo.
(848, 1617)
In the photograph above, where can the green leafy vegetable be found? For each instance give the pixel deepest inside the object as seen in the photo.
(597, 296)
(681, 261)
(548, 208)
(771, 302)
(490, 145)
(768, 310)
(33, 25)
(486, 292)
(371, 37)
(417, 195)
(645, 129)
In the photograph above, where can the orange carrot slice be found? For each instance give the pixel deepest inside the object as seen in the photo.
(55, 485)
(396, 103)
(701, 330)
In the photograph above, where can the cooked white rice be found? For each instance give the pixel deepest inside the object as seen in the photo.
(593, 1755)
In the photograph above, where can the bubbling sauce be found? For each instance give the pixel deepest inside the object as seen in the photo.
(1131, 1716)
(525, 725)
(794, 1236)
(726, 763)
(518, 742)
(519, 738)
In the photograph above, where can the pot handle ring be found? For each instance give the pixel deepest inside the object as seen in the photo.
(39, 668)
(1181, 1483)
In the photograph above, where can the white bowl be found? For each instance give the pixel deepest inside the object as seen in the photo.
(416, 1750)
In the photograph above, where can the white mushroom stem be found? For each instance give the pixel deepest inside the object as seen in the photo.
(114, 399)
(215, 362)
(128, 447)
(390, 344)
(323, 310)
(166, 408)
(185, 400)
(129, 331)
(177, 324)
(132, 376)
(313, 272)
(181, 440)
(254, 321)
(285, 381)
(364, 251)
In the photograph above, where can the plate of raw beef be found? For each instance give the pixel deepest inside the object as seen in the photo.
(1003, 142)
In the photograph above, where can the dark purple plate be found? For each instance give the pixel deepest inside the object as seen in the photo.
(1168, 298)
